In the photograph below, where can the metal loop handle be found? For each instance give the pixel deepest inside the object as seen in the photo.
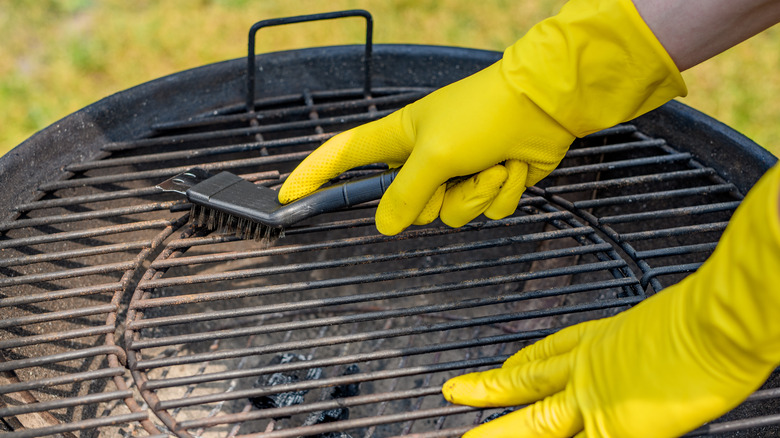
(250, 97)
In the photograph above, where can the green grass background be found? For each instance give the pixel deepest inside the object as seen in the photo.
(57, 56)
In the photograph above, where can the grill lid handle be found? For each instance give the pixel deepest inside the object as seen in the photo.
(250, 85)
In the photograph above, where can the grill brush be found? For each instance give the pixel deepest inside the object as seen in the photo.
(227, 202)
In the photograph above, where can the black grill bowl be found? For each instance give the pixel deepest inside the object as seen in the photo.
(117, 317)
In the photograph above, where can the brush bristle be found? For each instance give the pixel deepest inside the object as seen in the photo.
(226, 223)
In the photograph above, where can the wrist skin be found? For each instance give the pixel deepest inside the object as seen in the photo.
(693, 31)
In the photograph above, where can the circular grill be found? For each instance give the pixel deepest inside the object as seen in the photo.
(118, 317)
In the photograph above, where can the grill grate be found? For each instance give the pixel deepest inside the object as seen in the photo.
(212, 315)
(117, 316)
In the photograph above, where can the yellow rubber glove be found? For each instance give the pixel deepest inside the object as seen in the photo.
(664, 367)
(593, 65)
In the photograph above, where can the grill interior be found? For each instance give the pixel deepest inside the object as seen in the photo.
(117, 317)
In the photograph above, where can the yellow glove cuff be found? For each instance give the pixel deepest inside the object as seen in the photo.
(594, 65)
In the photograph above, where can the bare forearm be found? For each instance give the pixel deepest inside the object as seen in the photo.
(693, 31)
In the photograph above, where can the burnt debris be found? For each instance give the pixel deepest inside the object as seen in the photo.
(284, 399)
(331, 415)
(292, 398)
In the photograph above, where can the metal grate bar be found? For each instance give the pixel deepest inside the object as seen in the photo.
(11, 365)
(86, 199)
(60, 294)
(655, 196)
(736, 425)
(54, 316)
(617, 130)
(672, 212)
(76, 253)
(62, 380)
(80, 234)
(615, 147)
(70, 273)
(633, 180)
(292, 346)
(677, 250)
(622, 164)
(764, 394)
(64, 403)
(677, 231)
(56, 336)
(89, 215)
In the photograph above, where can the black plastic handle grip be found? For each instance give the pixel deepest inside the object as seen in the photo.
(336, 197)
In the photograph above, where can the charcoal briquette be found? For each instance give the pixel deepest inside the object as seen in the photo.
(284, 399)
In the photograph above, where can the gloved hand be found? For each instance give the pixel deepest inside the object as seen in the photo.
(593, 65)
(678, 359)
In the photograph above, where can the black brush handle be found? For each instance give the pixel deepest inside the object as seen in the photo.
(336, 197)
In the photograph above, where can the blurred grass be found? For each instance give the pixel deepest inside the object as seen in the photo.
(62, 55)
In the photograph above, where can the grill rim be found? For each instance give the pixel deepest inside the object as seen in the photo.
(713, 143)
